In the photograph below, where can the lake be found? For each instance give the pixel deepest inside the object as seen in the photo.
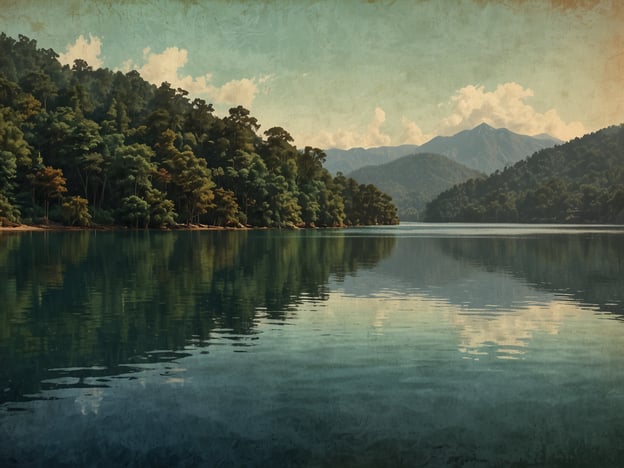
(411, 345)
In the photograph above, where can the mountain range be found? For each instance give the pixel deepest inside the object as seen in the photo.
(488, 149)
(345, 161)
(414, 180)
(483, 148)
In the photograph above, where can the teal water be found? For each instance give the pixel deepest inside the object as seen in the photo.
(414, 345)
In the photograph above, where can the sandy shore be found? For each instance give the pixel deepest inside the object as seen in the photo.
(21, 227)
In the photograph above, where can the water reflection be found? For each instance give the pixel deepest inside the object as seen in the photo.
(506, 335)
(501, 272)
(86, 305)
(588, 268)
(87, 302)
(506, 284)
(364, 347)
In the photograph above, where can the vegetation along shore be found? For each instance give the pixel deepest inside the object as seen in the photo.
(81, 146)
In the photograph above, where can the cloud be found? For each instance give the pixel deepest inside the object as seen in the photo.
(87, 50)
(375, 137)
(341, 138)
(167, 65)
(412, 134)
(505, 107)
(240, 92)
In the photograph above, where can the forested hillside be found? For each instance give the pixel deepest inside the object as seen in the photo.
(414, 180)
(581, 181)
(85, 146)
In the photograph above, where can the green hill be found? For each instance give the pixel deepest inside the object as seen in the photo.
(581, 181)
(414, 180)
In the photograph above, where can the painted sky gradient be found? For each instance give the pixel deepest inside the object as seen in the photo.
(345, 73)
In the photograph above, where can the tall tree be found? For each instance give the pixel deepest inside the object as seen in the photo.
(40, 86)
(75, 211)
(14, 150)
(49, 185)
(131, 170)
(191, 183)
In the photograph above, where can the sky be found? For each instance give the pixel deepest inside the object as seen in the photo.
(358, 73)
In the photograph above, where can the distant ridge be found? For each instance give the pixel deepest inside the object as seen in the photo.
(345, 161)
(483, 148)
(547, 137)
(488, 149)
(414, 180)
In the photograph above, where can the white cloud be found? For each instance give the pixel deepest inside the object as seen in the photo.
(240, 92)
(85, 49)
(341, 138)
(412, 133)
(166, 66)
(375, 137)
(505, 107)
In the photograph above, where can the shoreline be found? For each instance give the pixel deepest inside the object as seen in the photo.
(177, 227)
(181, 227)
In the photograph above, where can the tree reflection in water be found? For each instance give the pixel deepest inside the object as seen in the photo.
(84, 299)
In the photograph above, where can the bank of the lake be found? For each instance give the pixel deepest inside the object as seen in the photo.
(61, 228)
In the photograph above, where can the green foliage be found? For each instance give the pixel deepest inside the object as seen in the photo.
(75, 211)
(7, 210)
(365, 204)
(131, 170)
(162, 211)
(142, 155)
(48, 184)
(104, 218)
(189, 179)
(134, 212)
(225, 208)
(581, 181)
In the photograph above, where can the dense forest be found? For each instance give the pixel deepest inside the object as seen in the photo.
(581, 181)
(83, 146)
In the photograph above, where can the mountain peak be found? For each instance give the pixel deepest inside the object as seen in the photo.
(484, 126)
(485, 148)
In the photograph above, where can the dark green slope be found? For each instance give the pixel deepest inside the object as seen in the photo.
(414, 180)
(581, 181)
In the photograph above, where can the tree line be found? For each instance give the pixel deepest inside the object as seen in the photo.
(581, 181)
(83, 146)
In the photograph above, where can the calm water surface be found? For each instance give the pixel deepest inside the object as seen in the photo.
(415, 345)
